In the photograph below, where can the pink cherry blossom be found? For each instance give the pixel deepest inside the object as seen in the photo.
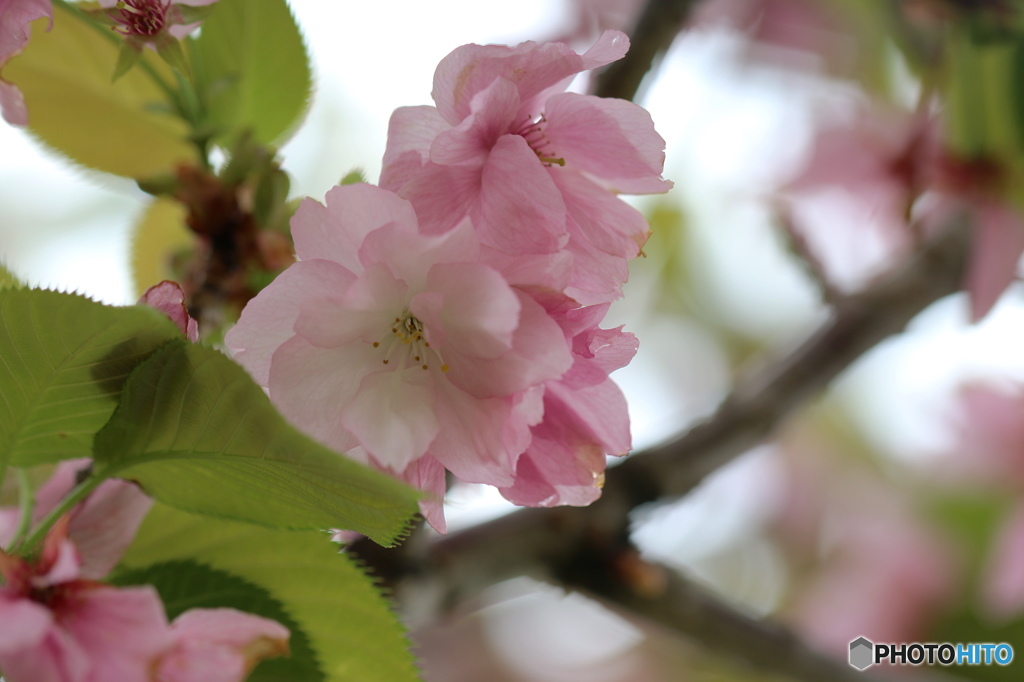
(149, 20)
(536, 169)
(15, 17)
(219, 645)
(891, 174)
(403, 349)
(1002, 583)
(168, 298)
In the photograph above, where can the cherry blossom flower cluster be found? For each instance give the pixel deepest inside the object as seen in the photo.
(59, 623)
(449, 318)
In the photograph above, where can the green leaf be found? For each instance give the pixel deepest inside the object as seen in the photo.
(65, 75)
(251, 70)
(63, 360)
(8, 279)
(188, 584)
(351, 629)
(196, 432)
(159, 236)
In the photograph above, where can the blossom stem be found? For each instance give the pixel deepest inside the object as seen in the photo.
(77, 494)
(26, 503)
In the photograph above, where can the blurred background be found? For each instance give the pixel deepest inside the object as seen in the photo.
(890, 508)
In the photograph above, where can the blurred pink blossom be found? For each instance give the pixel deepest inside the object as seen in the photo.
(536, 169)
(59, 624)
(1002, 582)
(58, 627)
(893, 175)
(15, 17)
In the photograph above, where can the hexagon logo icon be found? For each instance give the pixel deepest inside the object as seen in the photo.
(861, 653)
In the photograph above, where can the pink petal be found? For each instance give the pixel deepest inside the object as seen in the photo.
(520, 209)
(105, 524)
(539, 353)
(536, 68)
(220, 645)
(443, 195)
(168, 298)
(15, 17)
(611, 139)
(392, 415)
(470, 310)
(23, 623)
(34, 648)
(558, 468)
(998, 245)
(410, 134)
(269, 319)
(9, 517)
(605, 221)
(492, 113)
(12, 104)
(364, 314)
(427, 474)
(597, 277)
(587, 398)
(335, 231)
(310, 386)
(480, 439)
(611, 46)
(123, 630)
(410, 255)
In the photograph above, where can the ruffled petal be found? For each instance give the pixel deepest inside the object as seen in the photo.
(428, 475)
(168, 298)
(410, 134)
(539, 353)
(334, 231)
(443, 195)
(520, 209)
(12, 104)
(268, 320)
(469, 310)
(220, 645)
(123, 630)
(311, 386)
(392, 415)
(605, 221)
(611, 139)
(492, 113)
(558, 468)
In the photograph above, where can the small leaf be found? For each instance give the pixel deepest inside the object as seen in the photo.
(251, 69)
(170, 51)
(188, 584)
(353, 177)
(196, 432)
(351, 629)
(129, 56)
(160, 234)
(73, 107)
(63, 360)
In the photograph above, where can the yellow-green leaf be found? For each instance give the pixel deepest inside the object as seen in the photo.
(158, 237)
(125, 128)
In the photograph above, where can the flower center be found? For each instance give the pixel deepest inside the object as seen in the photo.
(407, 341)
(140, 17)
(532, 130)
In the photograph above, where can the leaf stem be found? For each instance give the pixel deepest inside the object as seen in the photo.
(26, 503)
(77, 494)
